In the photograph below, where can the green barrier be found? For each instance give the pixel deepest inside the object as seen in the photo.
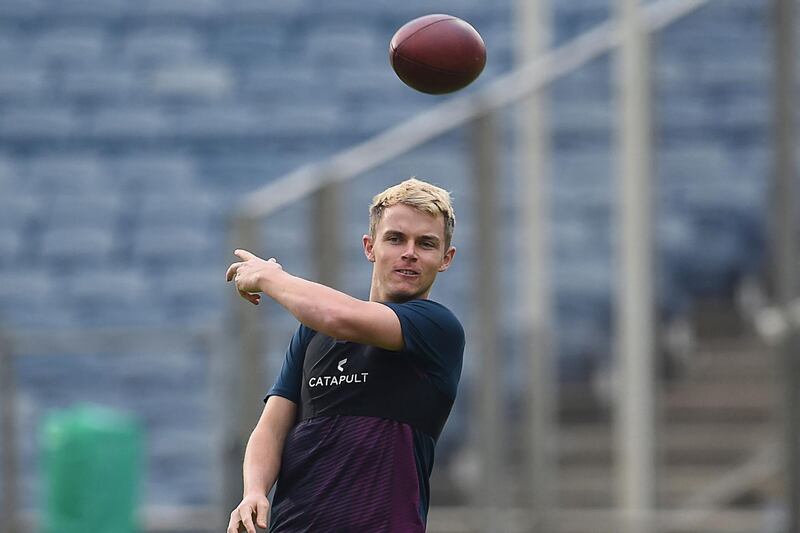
(91, 465)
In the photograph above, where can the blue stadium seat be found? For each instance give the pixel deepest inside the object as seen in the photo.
(581, 345)
(11, 246)
(690, 164)
(675, 237)
(280, 84)
(77, 246)
(109, 297)
(376, 116)
(590, 280)
(251, 42)
(752, 114)
(108, 283)
(42, 122)
(183, 9)
(162, 173)
(220, 121)
(29, 297)
(576, 238)
(18, 209)
(21, 9)
(76, 173)
(172, 247)
(127, 122)
(87, 9)
(569, 23)
(269, 8)
(231, 175)
(582, 117)
(14, 46)
(314, 119)
(584, 6)
(88, 210)
(684, 115)
(158, 44)
(109, 82)
(721, 252)
(193, 292)
(71, 45)
(191, 82)
(22, 81)
(191, 210)
(334, 46)
(8, 173)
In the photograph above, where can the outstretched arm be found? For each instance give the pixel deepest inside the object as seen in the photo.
(321, 308)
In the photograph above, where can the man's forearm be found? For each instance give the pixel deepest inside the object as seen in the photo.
(262, 461)
(315, 305)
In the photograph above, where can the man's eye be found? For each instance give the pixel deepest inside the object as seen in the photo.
(428, 244)
(393, 239)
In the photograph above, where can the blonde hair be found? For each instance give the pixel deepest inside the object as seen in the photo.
(420, 195)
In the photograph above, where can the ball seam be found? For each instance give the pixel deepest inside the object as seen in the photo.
(421, 29)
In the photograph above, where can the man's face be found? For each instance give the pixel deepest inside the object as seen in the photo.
(408, 251)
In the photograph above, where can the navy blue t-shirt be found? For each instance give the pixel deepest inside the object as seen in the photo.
(361, 453)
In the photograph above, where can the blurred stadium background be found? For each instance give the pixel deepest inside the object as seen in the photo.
(133, 135)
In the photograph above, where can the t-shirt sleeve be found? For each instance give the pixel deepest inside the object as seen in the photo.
(435, 338)
(287, 384)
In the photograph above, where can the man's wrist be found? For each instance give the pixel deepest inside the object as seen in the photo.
(255, 492)
(264, 279)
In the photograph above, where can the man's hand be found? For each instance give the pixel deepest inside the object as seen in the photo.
(249, 273)
(252, 505)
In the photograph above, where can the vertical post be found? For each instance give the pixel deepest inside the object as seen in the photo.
(489, 493)
(326, 235)
(8, 430)
(541, 427)
(244, 374)
(784, 252)
(635, 407)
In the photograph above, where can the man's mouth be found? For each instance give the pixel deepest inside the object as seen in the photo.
(407, 272)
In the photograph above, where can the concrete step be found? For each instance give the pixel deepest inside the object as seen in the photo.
(732, 359)
(595, 487)
(734, 368)
(472, 519)
(679, 444)
(745, 401)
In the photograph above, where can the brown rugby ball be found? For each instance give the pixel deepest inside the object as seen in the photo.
(437, 54)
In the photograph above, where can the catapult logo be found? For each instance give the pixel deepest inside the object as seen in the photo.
(326, 381)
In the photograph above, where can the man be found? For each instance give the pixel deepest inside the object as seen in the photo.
(349, 428)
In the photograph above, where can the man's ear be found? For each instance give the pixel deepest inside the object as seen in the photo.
(369, 250)
(447, 259)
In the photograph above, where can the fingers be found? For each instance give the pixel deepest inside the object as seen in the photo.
(253, 298)
(243, 516)
(229, 275)
(247, 519)
(261, 517)
(233, 523)
(244, 254)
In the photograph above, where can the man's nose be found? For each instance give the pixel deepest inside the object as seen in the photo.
(410, 252)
